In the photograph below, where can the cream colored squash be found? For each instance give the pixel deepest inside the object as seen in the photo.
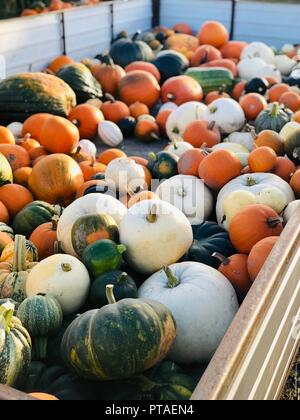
(272, 197)
(247, 67)
(110, 133)
(190, 195)
(227, 114)
(284, 64)
(179, 147)
(168, 105)
(288, 129)
(124, 175)
(88, 147)
(63, 277)
(234, 202)
(244, 139)
(155, 234)
(258, 50)
(290, 210)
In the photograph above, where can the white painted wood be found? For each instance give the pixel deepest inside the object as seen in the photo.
(132, 16)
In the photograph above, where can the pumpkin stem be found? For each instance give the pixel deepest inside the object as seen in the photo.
(27, 137)
(222, 89)
(54, 221)
(171, 97)
(93, 161)
(122, 279)
(66, 267)
(173, 281)
(213, 109)
(110, 98)
(275, 109)
(6, 315)
(121, 248)
(273, 222)
(136, 35)
(152, 156)
(176, 130)
(110, 294)
(250, 181)
(211, 125)
(40, 346)
(205, 57)
(19, 259)
(152, 216)
(220, 257)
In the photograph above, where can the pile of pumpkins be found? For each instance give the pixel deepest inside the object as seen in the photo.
(155, 253)
(33, 8)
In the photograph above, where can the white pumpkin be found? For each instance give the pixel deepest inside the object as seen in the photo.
(16, 129)
(290, 210)
(245, 139)
(233, 147)
(287, 48)
(183, 116)
(288, 129)
(190, 195)
(227, 114)
(155, 234)
(168, 105)
(88, 147)
(110, 133)
(272, 197)
(284, 64)
(146, 117)
(178, 148)
(89, 204)
(125, 176)
(269, 70)
(203, 303)
(258, 50)
(253, 183)
(234, 202)
(247, 67)
(63, 277)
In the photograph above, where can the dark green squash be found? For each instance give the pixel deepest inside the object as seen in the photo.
(33, 215)
(292, 146)
(91, 228)
(53, 348)
(274, 117)
(15, 348)
(42, 316)
(127, 126)
(120, 340)
(170, 64)
(257, 85)
(209, 237)
(97, 189)
(163, 165)
(125, 51)
(124, 287)
(99, 176)
(84, 84)
(102, 257)
(26, 94)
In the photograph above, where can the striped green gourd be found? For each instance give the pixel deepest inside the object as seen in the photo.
(212, 79)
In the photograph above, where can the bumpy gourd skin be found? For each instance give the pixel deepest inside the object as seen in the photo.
(119, 340)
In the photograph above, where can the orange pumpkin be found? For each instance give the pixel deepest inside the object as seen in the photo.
(284, 168)
(109, 77)
(37, 152)
(213, 33)
(233, 49)
(86, 117)
(138, 109)
(295, 183)
(185, 44)
(6, 136)
(216, 94)
(262, 159)
(259, 255)
(270, 139)
(253, 104)
(235, 268)
(142, 65)
(28, 143)
(59, 135)
(252, 224)
(225, 63)
(181, 89)
(90, 168)
(15, 197)
(29, 12)
(199, 133)
(44, 238)
(34, 124)
(110, 154)
(43, 397)
(290, 100)
(238, 90)
(4, 215)
(275, 92)
(141, 196)
(94, 182)
(139, 86)
(5, 240)
(183, 28)
(161, 120)
(147, 131)
(60, 62)
(204, 54)
(296, 117)
(189, 162)
(114, 110)
(56, 179)
(80, 156)
(21, 175)
(218, 168)
(16, 155)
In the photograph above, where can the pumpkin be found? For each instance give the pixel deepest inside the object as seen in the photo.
(213, 33)
(178, 148)
(8, 195)
(108, 155)
(4, 215)
(235, 269)
(238, 90)
(258, 49)
(125, 51)
(292, 145)
(59, 135)
(163, 165)
(81, 80)
(216, 94)
(251, 224)
(170, 64)
(185, 44)
(139, 86)
(89, 204)
(181, 89)
(262, 159)
(31, 252)
(59, 62)
(91, 228)
(88, 148)
(259, 254)
(161, 120)
(212, 306)
(124, 287)
(96, 185)
(157, 221)
(189, 162)
(16, 129)
(5, 240)
(127, 126)
(233, 49)
(34, 215)
(6, 175)
(290, 100)
(16, 156)
(15, 344)
(90, 168)
(227, 115)
(14, 275)
(284, 168)
(223, 63)
(142, 65)
(147, 131)
(86, 117)
(208, 238)
(270, 139)
(114, 110)
(218, 168)
(290, 210)
(295, 183)
(141, 196)
(188, 194)
(110, 133)
(29, 93)
(41, 315)
(6, 136)
(274, 117)
(182, 117)
(56, 179)
(44, 238)
(234, 202)
(258, 85)
(198, 133)
(138, 109)
(109, 76)
(37, 153)
(125, 176)
(33, 125)
(252, 104)
(204, 54)
(63, 277)
(212, 78)
(131, 319)
(4, 228)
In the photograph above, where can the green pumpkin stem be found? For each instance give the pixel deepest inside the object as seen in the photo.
(6, 315)
(152, 156)
(40, 346)
(66, 267)
(275, 109)
(173, 281)
(19, 259)
(152, 216)
(220, 257)
(110, 294)
(250, 181)
(122, 279)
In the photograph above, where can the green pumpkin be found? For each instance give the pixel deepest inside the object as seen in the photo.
(53, 348)
(15, 348)
(34, 215)
(42, 316)
(26, 94)
(91, 228)
(6, 175)
(81, 80)
(209, 238)
(292, 146)
(125, 51)
(4, 228)
(163, 165)
(124, 287)
(171, 64)
(102, 257)
(274, 117)
(120, 340)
